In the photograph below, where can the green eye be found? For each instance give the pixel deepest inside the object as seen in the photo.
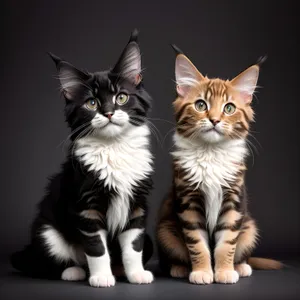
(229, 108)
(91, 104)
(200, 105)
(122, 98)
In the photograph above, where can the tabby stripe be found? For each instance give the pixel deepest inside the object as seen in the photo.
(178, 115)
(191, 240)
(192, 226)
(234, 227)
(233, 241)
(245, 115)
(195, 253)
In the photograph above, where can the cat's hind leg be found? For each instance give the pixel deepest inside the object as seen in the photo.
(47, 256)
(245, 244)
(173, 253)
(74, 273)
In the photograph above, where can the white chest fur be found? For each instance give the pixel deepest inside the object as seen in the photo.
(210, 167)
(120, 164)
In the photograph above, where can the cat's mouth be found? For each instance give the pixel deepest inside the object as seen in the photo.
(213, 129)
(110, 123)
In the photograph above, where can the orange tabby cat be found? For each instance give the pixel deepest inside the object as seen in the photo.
(205, 215)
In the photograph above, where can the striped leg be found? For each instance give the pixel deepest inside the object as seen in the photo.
(245, 244)
(226, 237)
(196, 239)
(175, 252)
(132, 242)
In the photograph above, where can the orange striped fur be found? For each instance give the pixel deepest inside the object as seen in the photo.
(205, 231)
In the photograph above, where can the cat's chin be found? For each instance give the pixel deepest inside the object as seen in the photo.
(110, 131)
(212, 137)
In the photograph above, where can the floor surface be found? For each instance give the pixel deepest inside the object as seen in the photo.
(283, 284)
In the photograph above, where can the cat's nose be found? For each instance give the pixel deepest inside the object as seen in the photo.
(109, 115)
(214, 121)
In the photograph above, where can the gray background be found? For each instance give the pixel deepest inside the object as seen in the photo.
(220, 37)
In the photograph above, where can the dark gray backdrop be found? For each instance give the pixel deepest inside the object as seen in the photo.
(221, 38)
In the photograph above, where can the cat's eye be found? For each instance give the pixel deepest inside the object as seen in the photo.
(122, 98)
(91, 104)
(200, 105)
(229, 108)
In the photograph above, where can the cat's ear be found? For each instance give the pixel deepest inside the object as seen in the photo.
(246, 81)
(186, 73)
(129, 63)
(71, 79)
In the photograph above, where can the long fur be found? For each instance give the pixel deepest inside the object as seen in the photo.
(100, 193)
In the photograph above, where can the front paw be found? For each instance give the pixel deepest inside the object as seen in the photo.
(201, 277)
(102, 280)
(140, 277)
(226, 276)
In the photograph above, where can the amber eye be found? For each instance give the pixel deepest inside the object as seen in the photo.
(229, 108)
(91, 104)
(122, 98)
(200, 105)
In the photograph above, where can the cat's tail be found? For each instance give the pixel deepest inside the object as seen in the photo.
(264, 263)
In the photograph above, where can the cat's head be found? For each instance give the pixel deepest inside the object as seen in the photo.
(213, 110)
(106, 103)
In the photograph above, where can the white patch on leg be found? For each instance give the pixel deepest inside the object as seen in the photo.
(100, 270)
(73, 274)
(59, 248)
(132, 260)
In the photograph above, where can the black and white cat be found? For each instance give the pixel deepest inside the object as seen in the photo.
(92, 218)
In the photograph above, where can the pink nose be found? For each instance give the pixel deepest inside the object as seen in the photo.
(214, 121)
(109, 115)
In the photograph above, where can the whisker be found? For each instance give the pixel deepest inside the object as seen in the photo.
(63, 143)
(157, 119)
(172, 129)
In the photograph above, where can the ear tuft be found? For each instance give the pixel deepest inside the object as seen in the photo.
(134, 36)
(261, 60)
(55, 58)
(176, 49)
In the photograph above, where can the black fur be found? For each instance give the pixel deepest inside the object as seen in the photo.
(74, 188)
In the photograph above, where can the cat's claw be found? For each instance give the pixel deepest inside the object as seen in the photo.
(226, 276)
(201, 277)
(140, 277)
(101, 280)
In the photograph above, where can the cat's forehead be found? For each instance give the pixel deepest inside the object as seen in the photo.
(102, 81)
(110, 83)
(212, 90)
(213, 87)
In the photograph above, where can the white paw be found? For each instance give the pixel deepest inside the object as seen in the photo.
(201, 277)
(73, 274)
(244, 270)
(101, 280)
(226, 276)
(140, 277)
